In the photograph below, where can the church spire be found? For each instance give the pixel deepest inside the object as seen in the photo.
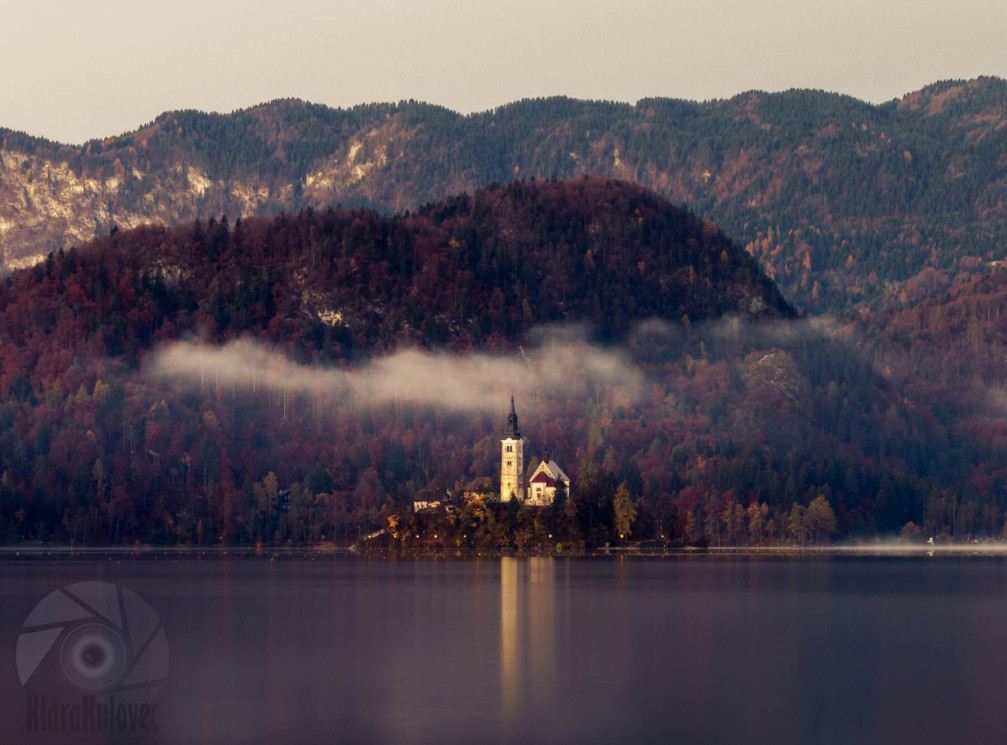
(512, 431)
(512, 460)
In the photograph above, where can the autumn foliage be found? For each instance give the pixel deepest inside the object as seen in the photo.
(751, 426)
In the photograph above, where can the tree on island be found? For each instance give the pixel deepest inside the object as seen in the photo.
(817, 520)
(625, 511)
(757, 515)
(797, 523)
(821, 519)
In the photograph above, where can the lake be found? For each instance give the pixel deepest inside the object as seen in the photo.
(704, 649)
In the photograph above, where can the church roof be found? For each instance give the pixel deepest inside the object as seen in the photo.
(550, 470)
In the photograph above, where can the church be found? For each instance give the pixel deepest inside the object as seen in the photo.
(540, 491)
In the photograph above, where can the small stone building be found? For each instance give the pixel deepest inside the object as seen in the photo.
(542, 484)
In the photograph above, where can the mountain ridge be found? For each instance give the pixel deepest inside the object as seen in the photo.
(842, 201)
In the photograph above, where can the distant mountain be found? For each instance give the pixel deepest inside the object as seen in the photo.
(843, 203)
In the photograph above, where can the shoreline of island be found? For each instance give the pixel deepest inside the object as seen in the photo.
(993, 549)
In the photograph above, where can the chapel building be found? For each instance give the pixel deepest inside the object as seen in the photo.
(540, 491)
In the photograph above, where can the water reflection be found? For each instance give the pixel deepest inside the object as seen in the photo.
(560, 651)
(527, 633)
(508, 638)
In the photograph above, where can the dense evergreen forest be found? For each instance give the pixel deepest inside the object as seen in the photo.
(683, 395)
(843, 203)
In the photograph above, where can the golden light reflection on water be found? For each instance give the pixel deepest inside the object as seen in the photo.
(542, 626)
(508, 637)
(527, 632)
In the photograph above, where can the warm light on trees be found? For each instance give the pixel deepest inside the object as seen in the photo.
(625, 511)
(821, 520)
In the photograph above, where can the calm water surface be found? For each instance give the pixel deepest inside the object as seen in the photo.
(696, 650)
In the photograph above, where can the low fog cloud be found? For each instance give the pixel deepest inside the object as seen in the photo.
(561, 365)
(559, 362)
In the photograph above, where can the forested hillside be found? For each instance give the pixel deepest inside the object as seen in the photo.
(842, 202)
(281, 380)
(949, 352)
(97, 447)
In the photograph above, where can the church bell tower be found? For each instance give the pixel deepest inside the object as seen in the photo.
(512, 460)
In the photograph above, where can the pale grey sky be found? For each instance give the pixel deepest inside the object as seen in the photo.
(73, 70)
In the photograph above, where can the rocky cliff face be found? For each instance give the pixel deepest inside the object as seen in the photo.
(46, 202)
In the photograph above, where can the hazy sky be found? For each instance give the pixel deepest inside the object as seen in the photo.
(73, 70)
